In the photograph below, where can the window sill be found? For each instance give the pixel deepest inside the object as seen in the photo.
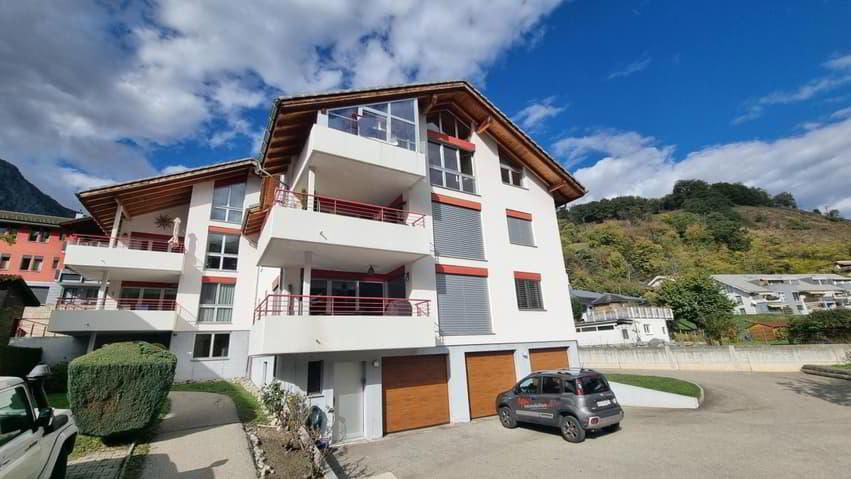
(526, 245)
(539, 310)
(224, 358)
(453, 190)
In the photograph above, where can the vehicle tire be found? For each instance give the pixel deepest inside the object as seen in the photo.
(506, 418)
(612, 428)
(571, 429)
(61, 466)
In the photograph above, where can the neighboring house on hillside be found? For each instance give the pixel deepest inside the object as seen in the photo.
(658, 281)
(843, 266)
(785, 293)
(15, 295)
(612, 319)
(769, 329)
(395, 250)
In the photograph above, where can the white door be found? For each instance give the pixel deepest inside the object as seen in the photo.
(20, 447)
(348, 400)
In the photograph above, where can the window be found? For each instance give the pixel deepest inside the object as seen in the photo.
(520, 231)
(69, 276)
(551, 385)
(222, 251)
(742, 311)
(647, 328)
(739, 300)
(31, 263)
(55, 264)
(148, 298)
(394, 123)
(314, 377)
(216, 303)
(211, 345)
(457, 231)
(625, 333)
(227, 203)
(462, 305)
(796, 296)
(5, 259)
(510, 170)
(605, 328)
(15, 414)
(529, 385)
(448, 124)
(451, 168)
(39, 235)
(528, 294)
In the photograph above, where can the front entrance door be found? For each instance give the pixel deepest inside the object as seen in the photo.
(348, 400)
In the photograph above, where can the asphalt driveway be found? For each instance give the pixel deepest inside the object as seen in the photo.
(751, 425)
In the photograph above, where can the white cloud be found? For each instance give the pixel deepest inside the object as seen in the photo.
(815, 166)
(124, 76)
(634, 67)
(532, 116)
(173, 169)
(82, 181)
(840, 76)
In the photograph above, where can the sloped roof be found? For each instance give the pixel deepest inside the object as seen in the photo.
(158, 192)
(31, 218)
(610, 298)
(292, 117)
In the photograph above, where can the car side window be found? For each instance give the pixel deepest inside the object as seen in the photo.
(15, 414)
(529, 385)
(570, 386)
(551, 385)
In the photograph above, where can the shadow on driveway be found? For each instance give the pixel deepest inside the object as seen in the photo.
(835, 391)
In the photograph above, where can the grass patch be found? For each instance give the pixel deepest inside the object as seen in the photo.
(86, 445)
(658, 383)
(843, 366)
(247, 406)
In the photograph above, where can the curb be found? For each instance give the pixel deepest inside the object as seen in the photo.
(700, 398)
(827, 371)
(126, 460)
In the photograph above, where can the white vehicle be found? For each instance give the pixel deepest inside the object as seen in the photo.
(35, 439)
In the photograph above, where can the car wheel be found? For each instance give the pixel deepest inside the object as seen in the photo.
(571, 430)
(506, 418)
(61, 465)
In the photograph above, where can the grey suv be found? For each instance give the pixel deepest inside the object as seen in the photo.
(574, 400)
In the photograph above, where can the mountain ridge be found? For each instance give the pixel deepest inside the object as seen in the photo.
(18, 194)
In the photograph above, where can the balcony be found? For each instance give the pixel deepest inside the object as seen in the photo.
(638, 312)
(301, 324)
(76, 315)
(340, 234)
(141, 260)
(356, 161)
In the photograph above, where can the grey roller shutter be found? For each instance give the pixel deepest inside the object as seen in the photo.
(520, 231)
(457, 232)
(462, 305)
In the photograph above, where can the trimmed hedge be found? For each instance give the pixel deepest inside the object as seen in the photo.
(18, 362)
(119, 388)
(824, 326)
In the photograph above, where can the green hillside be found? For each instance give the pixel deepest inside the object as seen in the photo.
(622, 255)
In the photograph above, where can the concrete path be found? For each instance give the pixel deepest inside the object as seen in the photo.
(201, 438)
(754, 425)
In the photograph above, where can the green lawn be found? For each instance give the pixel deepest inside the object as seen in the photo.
(247, 406)
(89, 444)
(843, 366)
(668, 385)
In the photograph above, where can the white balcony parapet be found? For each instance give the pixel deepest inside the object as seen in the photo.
(139, 259)
(629, 313)
(113, 315)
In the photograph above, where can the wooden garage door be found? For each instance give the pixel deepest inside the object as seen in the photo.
(548, 358)
(415, 392)
(488, 374)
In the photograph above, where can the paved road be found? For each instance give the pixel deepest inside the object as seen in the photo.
(201, 438)
(751, 425)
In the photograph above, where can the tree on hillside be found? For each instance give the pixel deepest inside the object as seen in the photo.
(728, 231)
(784, 200)
(8, 238)
(698, 299)
(743, 195)
(833, 215)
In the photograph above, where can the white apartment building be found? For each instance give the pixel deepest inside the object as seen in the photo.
(785, 293)
(617, 320)
(394, 254)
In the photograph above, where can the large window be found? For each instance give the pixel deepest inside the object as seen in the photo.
(222, 251)
(528, 294)
(148, 298)
(510, 170)
(520, 231)
(227, 203)
(216, 303)
(393, 122)
(31, 263)
(462, 305)
(451, 168)
(457, 231)
(39, 235)
(211, 345)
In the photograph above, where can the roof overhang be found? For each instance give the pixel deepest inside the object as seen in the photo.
(156, 193)
(292, 117)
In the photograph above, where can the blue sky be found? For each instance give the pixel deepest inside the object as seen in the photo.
(630, 96)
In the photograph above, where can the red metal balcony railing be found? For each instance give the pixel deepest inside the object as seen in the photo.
(337, 206)
(300, 305)
(115, 304)
(137, 244)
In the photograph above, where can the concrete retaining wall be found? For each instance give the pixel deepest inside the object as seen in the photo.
(715, 358)
(56, 349)
(642, 397)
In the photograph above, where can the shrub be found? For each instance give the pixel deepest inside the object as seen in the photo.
(18, 362)
(826, 326)
(120, 387)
